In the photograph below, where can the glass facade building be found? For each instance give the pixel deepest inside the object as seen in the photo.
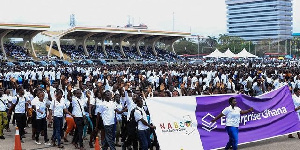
(257, 20)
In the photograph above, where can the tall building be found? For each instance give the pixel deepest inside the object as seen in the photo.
(257, 20)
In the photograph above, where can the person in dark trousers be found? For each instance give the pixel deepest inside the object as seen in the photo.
(78, 112)
(143, 126)
(41, 119)
(233, 115)
(20, 105)
(57, 108)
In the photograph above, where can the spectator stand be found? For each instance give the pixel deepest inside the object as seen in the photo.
(25, 31)
(117, 36)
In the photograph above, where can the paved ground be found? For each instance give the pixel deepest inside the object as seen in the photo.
(278, 143)
(8, 143)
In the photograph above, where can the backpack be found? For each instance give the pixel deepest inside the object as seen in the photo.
(132, 124)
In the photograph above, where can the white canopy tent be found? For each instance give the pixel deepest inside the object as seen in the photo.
(245, 54)
(228, 54)
(214, 54)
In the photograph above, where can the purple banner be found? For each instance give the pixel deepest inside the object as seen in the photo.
(274, 114)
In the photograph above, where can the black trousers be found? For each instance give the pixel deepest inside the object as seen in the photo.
(21, 122)
(132, 138)
(78, 131)
(42, 126)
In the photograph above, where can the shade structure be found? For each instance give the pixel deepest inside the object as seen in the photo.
(228, 54)
(245, 54)
(214, 54)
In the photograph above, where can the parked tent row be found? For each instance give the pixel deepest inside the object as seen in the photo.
(229, 54)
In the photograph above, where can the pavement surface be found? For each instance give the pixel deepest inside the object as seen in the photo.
(278, 143)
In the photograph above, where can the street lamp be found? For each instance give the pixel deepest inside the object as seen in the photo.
(199, 45)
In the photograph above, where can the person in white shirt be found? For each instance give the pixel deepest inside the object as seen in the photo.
(33, 77)
(40, 108)
(143, 126)
(3, 114)
(233, 115)
(107, 111)
(57, 108)
(78, 112)
(20, 104)
(98, 122)
(119, 107)
(57, 79)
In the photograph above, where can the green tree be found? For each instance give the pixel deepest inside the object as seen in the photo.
(184, 46)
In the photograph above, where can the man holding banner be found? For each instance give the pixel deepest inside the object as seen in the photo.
(233, 114)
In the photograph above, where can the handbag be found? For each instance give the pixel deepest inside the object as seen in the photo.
(85, 120)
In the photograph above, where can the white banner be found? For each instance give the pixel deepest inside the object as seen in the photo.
(175, 121)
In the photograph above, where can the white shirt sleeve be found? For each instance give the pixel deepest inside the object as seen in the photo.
(51, 105)
(226, 111)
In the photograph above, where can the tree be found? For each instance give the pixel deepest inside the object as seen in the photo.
(184, 46)
(211, 41)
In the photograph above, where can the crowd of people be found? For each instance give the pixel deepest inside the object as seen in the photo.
(113, 52)
(110, 100)
(16, 51)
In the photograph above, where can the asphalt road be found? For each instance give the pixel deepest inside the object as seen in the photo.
(278, 143)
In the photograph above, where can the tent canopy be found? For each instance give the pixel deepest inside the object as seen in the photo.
(245, 54)
(228, 54)
(215, 54)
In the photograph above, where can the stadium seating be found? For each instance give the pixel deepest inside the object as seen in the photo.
(16, 52)
(115, 53)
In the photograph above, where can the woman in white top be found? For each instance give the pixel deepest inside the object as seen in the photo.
(58, 107)
(41, 119)
(233, 114)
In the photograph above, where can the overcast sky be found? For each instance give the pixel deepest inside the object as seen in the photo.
(203, 17)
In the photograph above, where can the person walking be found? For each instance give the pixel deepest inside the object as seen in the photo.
(41, 119)
(233, 115)
(20, 105)
(57, 108)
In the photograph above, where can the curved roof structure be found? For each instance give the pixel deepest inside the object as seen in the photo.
(117, 35)
(25, 31)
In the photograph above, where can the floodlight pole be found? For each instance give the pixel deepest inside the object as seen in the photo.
(199, 45)
(249, 46)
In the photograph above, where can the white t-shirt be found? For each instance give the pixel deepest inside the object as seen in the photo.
(8, 98)
(67, 105)
(41, 106)
(58, 107)
(296, 101)
(20, 107)
(35, 101)
(232, 116)
(76, 106)
(130, 104)
(119, 108)
(58, 75)
(107, 110)
(3, 103)
(99, 104)
(138, 115)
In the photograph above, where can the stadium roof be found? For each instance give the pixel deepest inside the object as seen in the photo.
(117, 35)
(21, 30)
(25, 31)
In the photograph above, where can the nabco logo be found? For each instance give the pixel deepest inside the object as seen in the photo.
(207, 125)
